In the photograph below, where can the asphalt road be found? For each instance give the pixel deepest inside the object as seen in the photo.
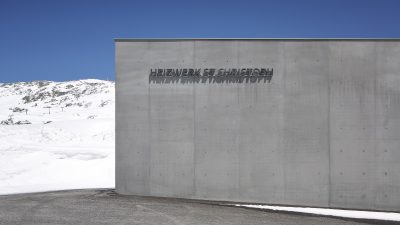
(105, 207)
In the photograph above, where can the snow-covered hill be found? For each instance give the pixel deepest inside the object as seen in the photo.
(56, 135)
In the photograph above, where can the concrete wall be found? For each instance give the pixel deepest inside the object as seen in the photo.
(324, 132)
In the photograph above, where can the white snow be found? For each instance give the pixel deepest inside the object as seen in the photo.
(75, 150)
(331, 212)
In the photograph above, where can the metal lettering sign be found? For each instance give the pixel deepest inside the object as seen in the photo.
(211, 75)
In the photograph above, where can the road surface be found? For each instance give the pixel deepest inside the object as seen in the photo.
(106, 207)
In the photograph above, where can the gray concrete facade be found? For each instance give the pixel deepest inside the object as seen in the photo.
(325, 131)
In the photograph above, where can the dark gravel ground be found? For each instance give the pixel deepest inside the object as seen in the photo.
(106, 207)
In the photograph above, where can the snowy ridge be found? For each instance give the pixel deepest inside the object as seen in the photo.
(56, 135)
(33, 100)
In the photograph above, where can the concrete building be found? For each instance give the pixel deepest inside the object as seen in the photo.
(312, 122)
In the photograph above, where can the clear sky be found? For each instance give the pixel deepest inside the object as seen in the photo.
(73, 39)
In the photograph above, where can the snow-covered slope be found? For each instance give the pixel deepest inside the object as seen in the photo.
(56, 135)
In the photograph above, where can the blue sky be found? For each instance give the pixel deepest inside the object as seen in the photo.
(68, 40)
